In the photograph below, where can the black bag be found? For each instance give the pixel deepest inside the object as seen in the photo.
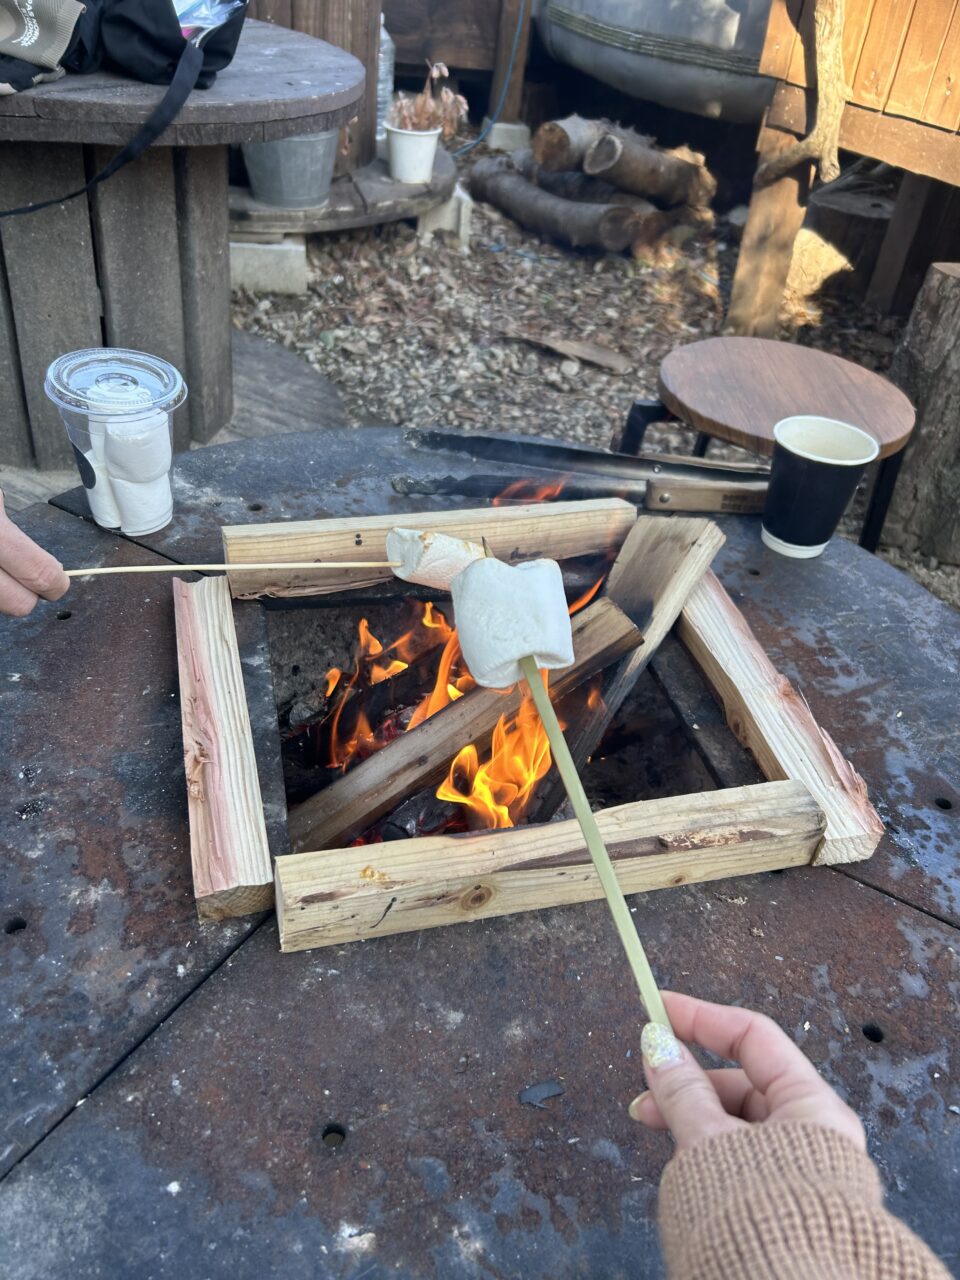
(143, 39)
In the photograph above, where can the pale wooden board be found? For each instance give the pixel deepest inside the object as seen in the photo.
(771, 719)
(556, 530)
(16, 448)
(134, 220)
(201, 187)
(232, 873)
(51, 278)
(918, 59)
(344, 895)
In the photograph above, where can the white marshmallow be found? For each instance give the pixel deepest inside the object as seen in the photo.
(103, 507)
(138, 448)
(144, 508)
(433, 559)
(507, 612)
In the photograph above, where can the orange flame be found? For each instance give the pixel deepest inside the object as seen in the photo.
(530, 491)
(582, 601)
(375, 662)
(495, 792)
(498, 792)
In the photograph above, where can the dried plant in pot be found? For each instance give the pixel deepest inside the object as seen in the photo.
(415, 124)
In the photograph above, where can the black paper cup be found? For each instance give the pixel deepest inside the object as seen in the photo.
(817, 465)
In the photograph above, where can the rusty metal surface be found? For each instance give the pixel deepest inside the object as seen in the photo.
(100, 938)
(878, 659)
(203, 1154)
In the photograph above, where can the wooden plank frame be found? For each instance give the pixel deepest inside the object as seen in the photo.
(813, 810)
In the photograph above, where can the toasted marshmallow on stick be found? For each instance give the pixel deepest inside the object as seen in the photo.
(432, 559)
(508, 612)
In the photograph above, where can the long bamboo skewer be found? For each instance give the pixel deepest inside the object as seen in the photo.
(233, 568)
(636, 955)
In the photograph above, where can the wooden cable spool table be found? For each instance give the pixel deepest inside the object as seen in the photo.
(143, 260)
(737, 389)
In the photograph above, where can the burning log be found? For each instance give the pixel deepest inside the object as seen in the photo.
(343, 895)
(634, 164)
(562, 144)
(589, 226)
(601, 634)
(557, 530)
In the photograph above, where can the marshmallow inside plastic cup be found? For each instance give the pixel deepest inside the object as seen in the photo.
(118, 408)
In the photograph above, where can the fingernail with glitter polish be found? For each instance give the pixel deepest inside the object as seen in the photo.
(660, 1046)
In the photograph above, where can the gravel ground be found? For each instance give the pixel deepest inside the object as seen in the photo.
(421, 334)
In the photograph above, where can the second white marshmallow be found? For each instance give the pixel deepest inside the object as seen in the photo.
(508, 612)
(433, 559)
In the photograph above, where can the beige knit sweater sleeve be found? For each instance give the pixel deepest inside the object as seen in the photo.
(783, 1202)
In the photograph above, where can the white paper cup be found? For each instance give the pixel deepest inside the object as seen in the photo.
(117, 407)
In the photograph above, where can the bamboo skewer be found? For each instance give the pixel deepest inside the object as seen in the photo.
(234, 568)
(636, 955)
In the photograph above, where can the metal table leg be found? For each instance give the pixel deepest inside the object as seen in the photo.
(643, 413)
(883, 486)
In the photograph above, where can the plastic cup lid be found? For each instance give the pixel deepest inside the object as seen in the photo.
(108, 380)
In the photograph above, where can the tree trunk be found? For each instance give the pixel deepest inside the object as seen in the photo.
(597, 226)
(822, 143)
(925, 515)
(562, 144)
(633, 164)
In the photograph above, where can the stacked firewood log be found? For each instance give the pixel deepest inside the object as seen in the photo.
(591, 184)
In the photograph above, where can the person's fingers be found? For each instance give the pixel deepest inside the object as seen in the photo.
(15, 599)
(778, 1069)
(30, 565)
(684, 1096)
(737, 1096)
(765, 1052)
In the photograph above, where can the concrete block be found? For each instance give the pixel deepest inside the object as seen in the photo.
(269, 268)
(453, 215)
(507, 136)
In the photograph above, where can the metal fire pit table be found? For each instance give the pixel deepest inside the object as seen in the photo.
(218, 1077)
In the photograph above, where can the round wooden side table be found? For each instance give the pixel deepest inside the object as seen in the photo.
(737, 389)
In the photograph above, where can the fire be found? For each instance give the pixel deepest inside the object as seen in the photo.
(582, 601)
(498, 792)
(374, 663)
(495, 792)
(530, 491)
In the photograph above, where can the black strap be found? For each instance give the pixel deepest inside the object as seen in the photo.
(184, 80)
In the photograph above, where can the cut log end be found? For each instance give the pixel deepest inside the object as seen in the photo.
(246, 900)
(603, 155)
(561, 145)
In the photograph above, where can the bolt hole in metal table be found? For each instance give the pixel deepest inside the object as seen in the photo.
(354, 1111)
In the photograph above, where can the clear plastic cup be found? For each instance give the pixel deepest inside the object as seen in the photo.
(118, 408)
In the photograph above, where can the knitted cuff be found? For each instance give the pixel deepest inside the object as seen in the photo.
(746, 1202)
